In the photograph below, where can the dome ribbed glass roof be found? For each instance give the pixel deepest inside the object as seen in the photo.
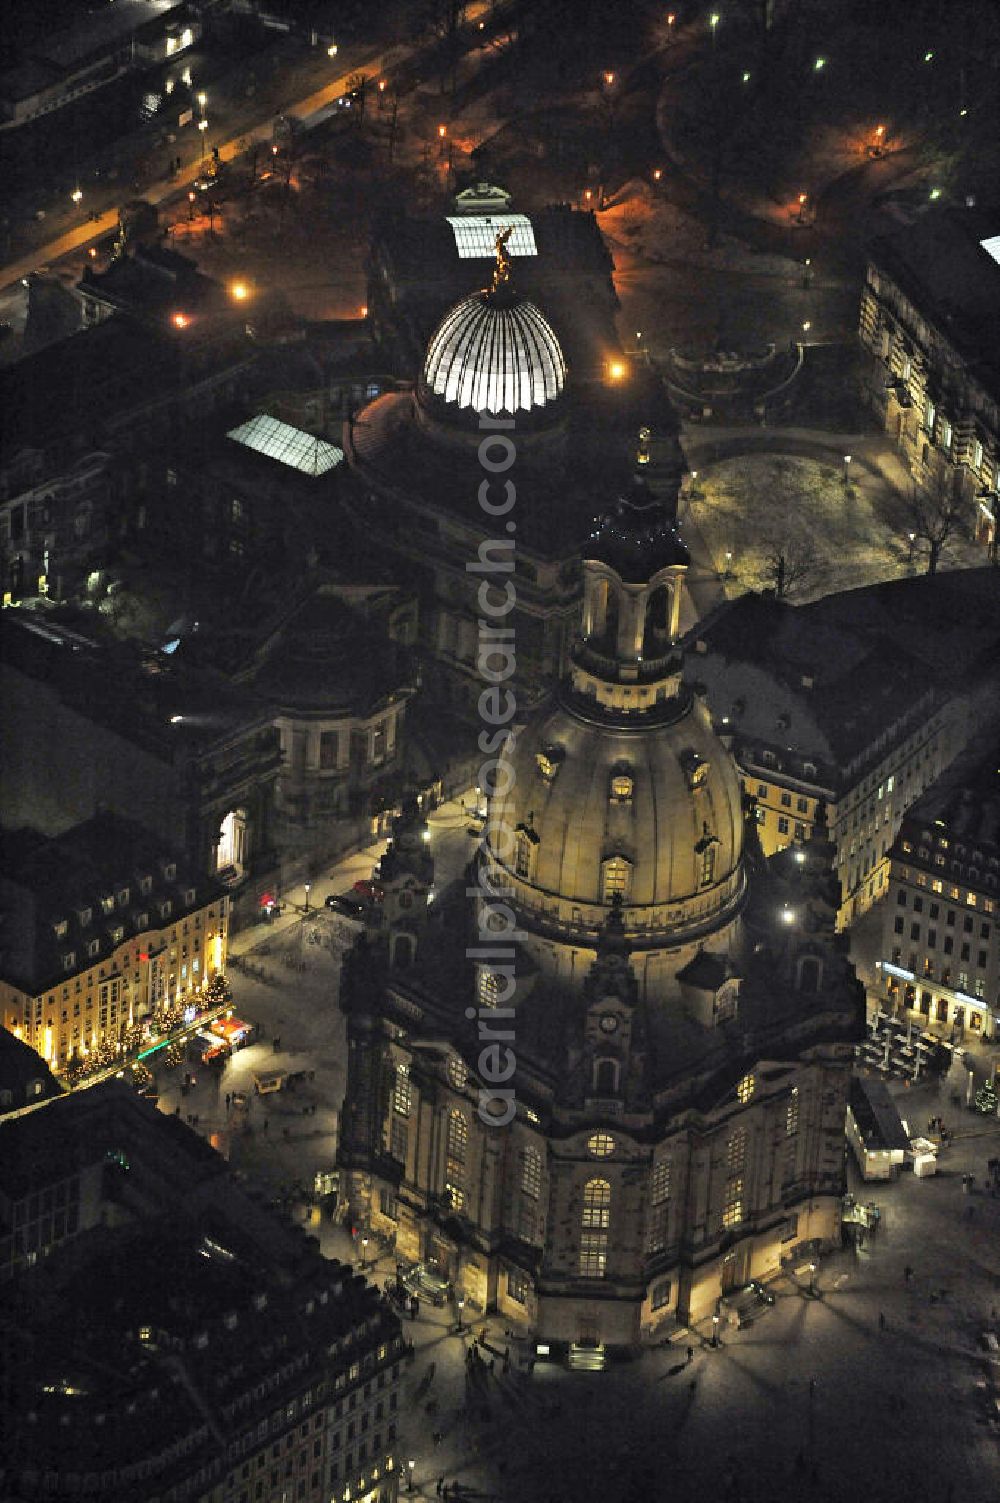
(495, 354)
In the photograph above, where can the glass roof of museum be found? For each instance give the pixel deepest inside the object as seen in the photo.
(288, 445)
(476, 235)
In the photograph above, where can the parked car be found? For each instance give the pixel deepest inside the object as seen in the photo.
(346, 904)
(424, 1281)
(748, 1301)
(367, 888)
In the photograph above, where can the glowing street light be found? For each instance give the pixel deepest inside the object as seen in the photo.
(409, 1475)
(307, 886)
(180, 320)
(202, 99)
(819, 65)
(847, 469)
(715, 1330)
(609, 79)
(332, 50)
(239, 292)
(616, 370)
(746, 78)
(76, 195)
(934, 194)
(806, 326)
(928, 57)
(461, 1307)
(442, 131)
(657, 174)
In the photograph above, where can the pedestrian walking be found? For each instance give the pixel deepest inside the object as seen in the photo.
(228, 1100)
(881, 1321)
(690, 1354)
(812, 1389)
(265, 1124)
(907, 1273)
(440, 1486)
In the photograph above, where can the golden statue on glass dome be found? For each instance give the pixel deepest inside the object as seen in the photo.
(501, 271)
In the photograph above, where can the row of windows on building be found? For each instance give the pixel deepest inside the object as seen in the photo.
(616, 871)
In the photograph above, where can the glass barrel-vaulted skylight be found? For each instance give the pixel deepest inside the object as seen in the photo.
(277, 440)
(495, 356)
(476, 235)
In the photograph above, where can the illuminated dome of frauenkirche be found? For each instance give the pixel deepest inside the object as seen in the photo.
(494, 352)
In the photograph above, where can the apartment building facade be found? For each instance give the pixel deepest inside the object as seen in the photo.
(940, 941)
(105, 931)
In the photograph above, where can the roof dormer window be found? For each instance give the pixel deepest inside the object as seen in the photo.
(549, 760)
(622, 787)
(145, 886)
(107, 904)
(60, 928)
(123, 896)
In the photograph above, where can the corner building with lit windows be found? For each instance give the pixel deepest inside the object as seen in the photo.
(605, 1083)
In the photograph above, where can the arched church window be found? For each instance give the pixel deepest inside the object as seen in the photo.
(595, 1225)
(659, 1210)
(736, 1149)
(531, 1173)
(601, 1145)
(745, 1089)
(458, 1073)
(454, 1174)
(616, 874)
(489, 987)
(402, 1091)
(708, 865)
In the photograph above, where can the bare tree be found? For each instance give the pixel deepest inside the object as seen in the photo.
(789, 567)
(936, 512)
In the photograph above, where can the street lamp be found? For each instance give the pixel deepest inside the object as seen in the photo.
(332, 50)
(657, 174)
(806, 326)
(461, 1307)
(715, 1330)
(364, 1252)
(203, 127)
(847, 469)
(812, 1278)
(202, 101)
(609, 79)
(819, 65)
(76, 195)
(912, 538)
(239, 292)
(729, 563)
(409, 1475)
(307, 886)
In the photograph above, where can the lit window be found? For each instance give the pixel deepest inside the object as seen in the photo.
(457, 1072)
(489, 987)
(601, 1145)
(517, 1285)
(792, 1114)
(708, 865)
(531, 1173)
(621, 787)
(736, 1150)
(745, 1089)
(458, 1141)
(595, 1224)
(732, 1209)
(617, 873)
(659, 1206)
(402, 1096)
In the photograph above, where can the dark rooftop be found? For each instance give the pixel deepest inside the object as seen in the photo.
(940, 265)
